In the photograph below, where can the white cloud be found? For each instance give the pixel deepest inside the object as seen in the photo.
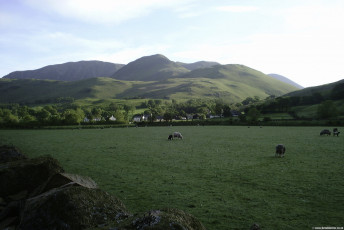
(104, 11)
(316, 17)
(303, 58)
(237, 9)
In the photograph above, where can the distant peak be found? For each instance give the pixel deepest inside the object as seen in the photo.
(156, 56)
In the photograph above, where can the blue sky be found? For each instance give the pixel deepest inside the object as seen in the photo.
(299, 39)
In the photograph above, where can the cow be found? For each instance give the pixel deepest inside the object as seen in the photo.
(335, 132)
(178, 135)
(170, 137)
(325, 132)
(280, 150)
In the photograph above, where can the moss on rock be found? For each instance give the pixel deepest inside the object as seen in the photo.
(71, 207)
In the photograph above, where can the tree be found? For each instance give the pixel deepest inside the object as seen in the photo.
(43, 115)
(218, 108)
(6, 116)
(338, 92)
(128, 109)
(327, 110)
(227, 111)
(72, 116)
(97, 112)
(253, 114)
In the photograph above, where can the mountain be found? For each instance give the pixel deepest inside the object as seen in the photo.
(150, 68)
(71, 71)
(198, 65)
(286, 80)
(152, 76)
(240, 81)
(231, 83)
(47, 91)
(334, 90)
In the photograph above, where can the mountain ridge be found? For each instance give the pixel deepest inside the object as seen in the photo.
(69, 71)
(150, 68)
(285, 79)
(153, 76)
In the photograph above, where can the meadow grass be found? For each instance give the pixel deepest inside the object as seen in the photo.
(226, 176)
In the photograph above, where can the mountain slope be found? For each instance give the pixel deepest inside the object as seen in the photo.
(231, 83)
(286, 80)
(47, 91)
(235, 75)
(70, 71)
(150, 68)
(152, 76)
(198, 65)
(332, 90)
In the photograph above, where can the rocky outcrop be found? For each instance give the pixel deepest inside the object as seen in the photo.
(10, 153)
(166, 218)
(38, 194)
(71, 207)
(27, 174)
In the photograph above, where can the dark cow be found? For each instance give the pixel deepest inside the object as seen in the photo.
(170, 137)
(335, 132)
(325, 132)
(280, 150)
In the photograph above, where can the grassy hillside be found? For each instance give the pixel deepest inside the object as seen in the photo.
(324, 90)
(32, 90)
(232, 83)
(150, 68)
(286, 80)
(70, 71)
(198, 65)
(236, 76)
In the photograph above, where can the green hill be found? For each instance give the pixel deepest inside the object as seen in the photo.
(152, 76)
(333, 90)
(70, 71)
(232, 83)
(198, 65)
(150, 68)
(37, 91)
(285, 79)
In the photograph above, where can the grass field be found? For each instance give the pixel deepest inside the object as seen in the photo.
(225, 176)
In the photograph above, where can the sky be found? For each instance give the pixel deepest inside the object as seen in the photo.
(302, 40)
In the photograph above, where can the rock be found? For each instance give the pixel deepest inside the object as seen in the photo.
(70, 207)
(10, 153)
(61, 179)
(19, 196)
(8, 223)
(255, 227)
(26, 174)
(2, 202)
(160, 219)
(10, 214)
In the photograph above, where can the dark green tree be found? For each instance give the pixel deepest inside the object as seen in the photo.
(327, 110)
(253, 114)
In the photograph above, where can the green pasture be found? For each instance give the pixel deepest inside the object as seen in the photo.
(227, 177)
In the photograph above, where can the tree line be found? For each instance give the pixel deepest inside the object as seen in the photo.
(69, 113)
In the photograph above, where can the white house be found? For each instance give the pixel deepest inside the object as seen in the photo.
(112, 118)
(137, 118)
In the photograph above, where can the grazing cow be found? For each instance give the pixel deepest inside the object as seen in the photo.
(335, 132)
(170, 138)
(325, 132)
(178, 135)
(280, 150)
